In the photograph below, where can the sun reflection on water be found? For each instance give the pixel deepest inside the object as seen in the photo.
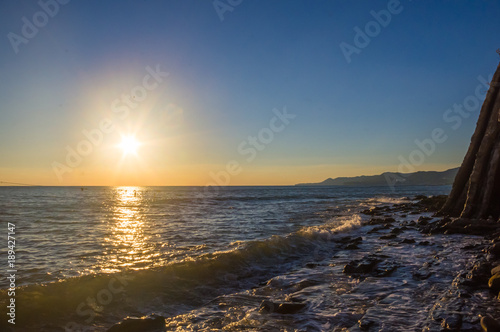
(127, 245)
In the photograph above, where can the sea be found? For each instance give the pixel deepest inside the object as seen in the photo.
(206, 260)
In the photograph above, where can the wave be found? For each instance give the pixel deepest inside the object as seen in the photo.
(101, 299)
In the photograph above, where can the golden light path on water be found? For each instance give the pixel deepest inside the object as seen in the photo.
(128, 246)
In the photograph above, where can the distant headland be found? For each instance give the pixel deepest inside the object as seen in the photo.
(423, 178)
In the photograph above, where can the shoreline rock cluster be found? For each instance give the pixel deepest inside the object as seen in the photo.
(484, 273)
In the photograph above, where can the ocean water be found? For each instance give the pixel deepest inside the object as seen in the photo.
(86, 259)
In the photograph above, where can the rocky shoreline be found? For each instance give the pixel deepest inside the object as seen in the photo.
(468, 304)
(485, 271)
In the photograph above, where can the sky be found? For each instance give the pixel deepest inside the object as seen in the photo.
(239, 92)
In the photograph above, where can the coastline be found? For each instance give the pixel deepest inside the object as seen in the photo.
(379, 269)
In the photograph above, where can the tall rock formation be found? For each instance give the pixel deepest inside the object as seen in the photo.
(476, 189)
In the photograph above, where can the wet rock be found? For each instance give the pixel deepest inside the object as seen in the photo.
(495, 270)
(384, 269)
(396, 230)
(378, 221)
(311, 265)
(344, 320)
(284, 308)
(375, 229)
(422, 274)
(408, 241)
(350, 239)
(352, 246)
(372, 265)
(478, 276)
(304, 284)
(360, 266)
(388, 237)
(366, 323)
(489, 324)
(452, 323)
(494, 283)
(470, 246)
(424, 219)
(432, 203)
(373, 211)
(135, 324)
(470, 226)
(439, 226)
(350, 243)
(424, 243)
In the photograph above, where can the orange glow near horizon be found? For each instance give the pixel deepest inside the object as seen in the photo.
(136, 172)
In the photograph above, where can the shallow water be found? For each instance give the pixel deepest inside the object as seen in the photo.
(206, 261)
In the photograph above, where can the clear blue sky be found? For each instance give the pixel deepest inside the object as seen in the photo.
(226, 77)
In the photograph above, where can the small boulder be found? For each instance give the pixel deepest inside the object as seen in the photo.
(452, 323)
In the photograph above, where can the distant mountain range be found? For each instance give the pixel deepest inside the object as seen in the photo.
(429, 178)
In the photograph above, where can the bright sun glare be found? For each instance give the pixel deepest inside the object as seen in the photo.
(129, 145)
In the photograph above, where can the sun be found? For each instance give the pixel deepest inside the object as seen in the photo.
(129, 145)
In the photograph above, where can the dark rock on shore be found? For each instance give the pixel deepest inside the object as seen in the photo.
(388, 237)
(461, 226)
(365, 324)
(452, 323)
(372, 265)
(423, 219)
(382, 221)
(359, 266)
(350, 243)
(432, 203)
(376, 229)
(152, 323)
(397, 230)
(284, 308)
(478, 276)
